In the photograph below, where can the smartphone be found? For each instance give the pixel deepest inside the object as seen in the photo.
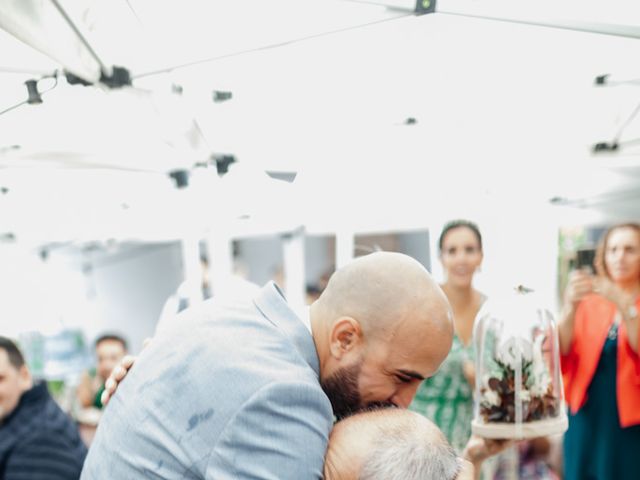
(585, 258)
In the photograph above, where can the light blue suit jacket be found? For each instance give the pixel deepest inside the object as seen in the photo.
(230, 392)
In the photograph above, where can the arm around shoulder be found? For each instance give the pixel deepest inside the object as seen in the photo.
(280, 433)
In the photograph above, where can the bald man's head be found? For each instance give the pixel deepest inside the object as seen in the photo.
(380, 289)
(380, 327)
(389, 444)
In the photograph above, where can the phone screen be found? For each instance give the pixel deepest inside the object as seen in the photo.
(585, 258)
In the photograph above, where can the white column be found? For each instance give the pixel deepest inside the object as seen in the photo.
(192, 270)
(293, 250)
(345, 244)
(220, 249)
(435, 227)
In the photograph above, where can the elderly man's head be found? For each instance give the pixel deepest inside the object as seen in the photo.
(389, 444)
(15, 378)
(380, 327)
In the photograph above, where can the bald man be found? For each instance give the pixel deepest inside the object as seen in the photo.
(395, 444)
(246, 389)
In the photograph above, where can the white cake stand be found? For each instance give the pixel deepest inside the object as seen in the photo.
(539, 428)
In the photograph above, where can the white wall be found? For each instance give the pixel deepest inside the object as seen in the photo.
(261, 257)
(319, 257)
(131, 288)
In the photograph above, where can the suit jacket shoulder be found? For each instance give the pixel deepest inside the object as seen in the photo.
(192, 403)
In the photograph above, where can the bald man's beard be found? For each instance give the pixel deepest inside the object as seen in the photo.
(342, 389)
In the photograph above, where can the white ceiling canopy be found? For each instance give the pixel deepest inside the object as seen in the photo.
(375, 108)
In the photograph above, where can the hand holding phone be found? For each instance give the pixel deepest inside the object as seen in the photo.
(581, 283)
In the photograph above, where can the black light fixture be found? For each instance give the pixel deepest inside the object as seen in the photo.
(220, 96)
(558, 200)
(601, 79)
(7, 237)
(606, 80)
(181, 177)
(34, 94)
(616, 144)
(120, 77)
(34, 97)
(418, 7)
(605, 147)
(222, 162)
(425, 6)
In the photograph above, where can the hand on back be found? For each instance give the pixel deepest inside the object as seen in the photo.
(118, 373)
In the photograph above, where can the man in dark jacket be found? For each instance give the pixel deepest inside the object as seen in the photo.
(37, 439)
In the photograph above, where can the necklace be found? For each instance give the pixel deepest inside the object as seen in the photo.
(613, 330)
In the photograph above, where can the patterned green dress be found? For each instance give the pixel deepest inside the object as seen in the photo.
(447, 397)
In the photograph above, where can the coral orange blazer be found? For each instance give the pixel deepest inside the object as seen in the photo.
(594, 317)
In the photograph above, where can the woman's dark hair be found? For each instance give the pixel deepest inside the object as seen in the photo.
(458, 224)
(599, 263)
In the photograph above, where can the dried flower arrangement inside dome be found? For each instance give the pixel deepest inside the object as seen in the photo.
(518, 390)
(498, 393)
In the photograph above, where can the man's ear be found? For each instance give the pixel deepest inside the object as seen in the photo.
(346, 335)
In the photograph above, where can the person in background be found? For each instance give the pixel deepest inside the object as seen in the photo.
(37, 439)
(529, 460)
(598, 332)
(447, 397)
(110, 349)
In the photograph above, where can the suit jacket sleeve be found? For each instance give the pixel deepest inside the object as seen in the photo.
(280, 433)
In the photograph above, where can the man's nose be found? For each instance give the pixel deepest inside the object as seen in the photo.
(404, 395)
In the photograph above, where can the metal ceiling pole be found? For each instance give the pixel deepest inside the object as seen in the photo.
(106, 71)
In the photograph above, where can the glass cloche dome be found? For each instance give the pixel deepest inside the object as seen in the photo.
(519, 391)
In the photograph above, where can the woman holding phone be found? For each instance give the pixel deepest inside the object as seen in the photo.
(599, 337)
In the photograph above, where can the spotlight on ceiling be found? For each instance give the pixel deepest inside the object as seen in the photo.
(180, 177)
(34, 94)
(222, 162)
(601, 79)
(220, 96)
(605, 147)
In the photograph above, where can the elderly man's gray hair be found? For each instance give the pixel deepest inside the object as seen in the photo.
(403, 455)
